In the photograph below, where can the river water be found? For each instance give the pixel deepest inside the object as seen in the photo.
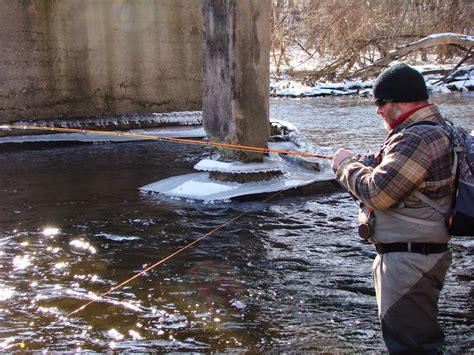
(290, 275)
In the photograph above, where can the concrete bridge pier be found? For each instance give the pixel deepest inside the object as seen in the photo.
(236, 55)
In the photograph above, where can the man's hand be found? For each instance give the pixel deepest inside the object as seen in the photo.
(341, 154)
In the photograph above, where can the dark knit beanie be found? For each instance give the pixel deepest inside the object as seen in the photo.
(400, 83)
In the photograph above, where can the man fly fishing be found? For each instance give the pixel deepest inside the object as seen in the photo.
(410, 236)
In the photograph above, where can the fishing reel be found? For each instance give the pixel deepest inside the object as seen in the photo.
(366, 228)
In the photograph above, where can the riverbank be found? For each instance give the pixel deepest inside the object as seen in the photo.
(461, 80)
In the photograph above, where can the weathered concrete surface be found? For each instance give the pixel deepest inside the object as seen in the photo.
(79, 58)
(236, 73)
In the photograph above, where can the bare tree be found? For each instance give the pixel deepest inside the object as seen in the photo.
(349, 35)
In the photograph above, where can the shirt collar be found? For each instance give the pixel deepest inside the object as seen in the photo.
(405, 115)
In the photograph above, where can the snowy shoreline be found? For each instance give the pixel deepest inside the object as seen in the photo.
(461, 80)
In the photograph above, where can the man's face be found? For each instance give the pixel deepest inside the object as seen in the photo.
(390, 111)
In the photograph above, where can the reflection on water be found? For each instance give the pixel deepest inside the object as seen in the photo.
(290, 276)
(50, 232)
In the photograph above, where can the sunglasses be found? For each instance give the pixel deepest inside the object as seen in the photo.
(381, 102)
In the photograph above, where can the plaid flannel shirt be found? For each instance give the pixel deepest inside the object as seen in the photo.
(417, 158)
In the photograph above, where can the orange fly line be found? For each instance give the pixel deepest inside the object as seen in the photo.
(178, 140)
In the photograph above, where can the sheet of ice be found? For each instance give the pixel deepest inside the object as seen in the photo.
(185, 131)
(169, 132)
(116, 238)
(198, 186)
(174, 132)
(138, 119)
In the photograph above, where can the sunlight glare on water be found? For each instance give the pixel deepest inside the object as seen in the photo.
(83, 246)
(6, 293)
(21, 262)
(51, 231)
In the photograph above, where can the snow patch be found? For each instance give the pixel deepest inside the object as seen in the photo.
(237, 167)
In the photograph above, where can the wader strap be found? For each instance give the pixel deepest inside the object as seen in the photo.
(430, 202)
(456, 149)
(415, 220)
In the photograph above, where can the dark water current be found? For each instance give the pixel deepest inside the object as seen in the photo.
(291, 275)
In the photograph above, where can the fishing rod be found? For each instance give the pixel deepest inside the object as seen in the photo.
(177, 140)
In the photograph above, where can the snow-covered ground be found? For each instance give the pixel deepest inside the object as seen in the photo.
(288, 87)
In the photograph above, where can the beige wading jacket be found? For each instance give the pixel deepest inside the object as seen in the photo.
(418, 158)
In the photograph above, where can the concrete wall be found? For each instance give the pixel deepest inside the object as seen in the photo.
(79, 58)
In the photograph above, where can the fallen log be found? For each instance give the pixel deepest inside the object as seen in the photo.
(464, 42)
